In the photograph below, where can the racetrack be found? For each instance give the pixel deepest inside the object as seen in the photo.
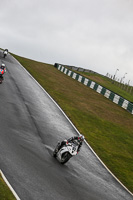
(30, 126)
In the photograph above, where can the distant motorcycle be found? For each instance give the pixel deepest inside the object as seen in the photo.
(1, 74)
(5, 52)
(66, 152)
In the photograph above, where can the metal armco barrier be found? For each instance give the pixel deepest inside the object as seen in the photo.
(98, 88)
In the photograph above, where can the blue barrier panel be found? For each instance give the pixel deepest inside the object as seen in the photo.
(130, 107)
(103, 91)
(95, 86)
(83, 79)
(89, 83)
(111, 97)
(121, 100)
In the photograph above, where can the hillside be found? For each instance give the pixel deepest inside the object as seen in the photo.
(122, 90)
(107, 127)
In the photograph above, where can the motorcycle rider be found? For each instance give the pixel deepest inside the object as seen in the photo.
(76, 139)
(5, 52)
(2, 70)
(3, 66)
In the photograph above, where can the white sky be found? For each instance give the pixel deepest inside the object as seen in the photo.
(93, 34)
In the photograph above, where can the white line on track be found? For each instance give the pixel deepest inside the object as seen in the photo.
(10, 187)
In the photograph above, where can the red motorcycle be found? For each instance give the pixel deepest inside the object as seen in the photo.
(1, 77)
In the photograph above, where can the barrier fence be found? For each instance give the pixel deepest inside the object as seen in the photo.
(98, 88)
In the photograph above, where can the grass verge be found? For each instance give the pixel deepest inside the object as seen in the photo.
(107, 127)
(114, 86)
(5, 193)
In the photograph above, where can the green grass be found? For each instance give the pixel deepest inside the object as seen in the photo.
(108, 128)
(111, 85)
(5, 193)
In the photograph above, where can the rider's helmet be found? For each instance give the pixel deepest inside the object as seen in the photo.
(81, 138)
(2, 66)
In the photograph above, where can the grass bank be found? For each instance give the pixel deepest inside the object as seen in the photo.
(107, 127)
(118, 88)
(5, 193)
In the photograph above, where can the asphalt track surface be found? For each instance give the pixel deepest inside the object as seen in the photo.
(30, 126)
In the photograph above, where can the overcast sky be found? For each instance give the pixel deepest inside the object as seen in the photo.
(93, 34)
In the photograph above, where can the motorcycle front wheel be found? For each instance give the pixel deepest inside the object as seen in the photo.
(65, 157)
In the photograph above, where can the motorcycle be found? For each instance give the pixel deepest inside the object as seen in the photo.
(1, 77)
(66, 152)
(5, 52)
